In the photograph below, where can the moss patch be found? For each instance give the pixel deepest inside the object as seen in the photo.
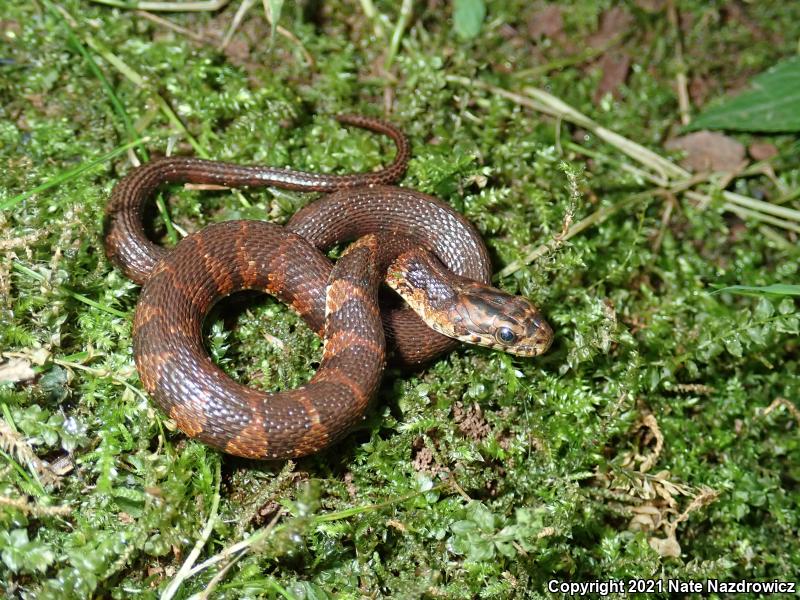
(658, 437)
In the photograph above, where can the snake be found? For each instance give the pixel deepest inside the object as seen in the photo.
(430, 254)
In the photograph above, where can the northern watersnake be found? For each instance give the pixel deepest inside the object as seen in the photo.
(413, 232)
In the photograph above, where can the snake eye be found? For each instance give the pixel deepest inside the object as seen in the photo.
(505, 335)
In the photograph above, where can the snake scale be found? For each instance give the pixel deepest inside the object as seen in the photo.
(430, 254)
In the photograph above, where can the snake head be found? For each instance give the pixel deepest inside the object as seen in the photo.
(490, 317)
(467, 310)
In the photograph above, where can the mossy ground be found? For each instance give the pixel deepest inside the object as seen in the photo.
(647, 443)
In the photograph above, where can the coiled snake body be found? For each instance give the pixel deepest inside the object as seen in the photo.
(434, 257)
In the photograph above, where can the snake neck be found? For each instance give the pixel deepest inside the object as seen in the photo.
(429, 288)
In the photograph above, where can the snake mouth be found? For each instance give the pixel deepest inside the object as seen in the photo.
(536, 348)
(526, 351)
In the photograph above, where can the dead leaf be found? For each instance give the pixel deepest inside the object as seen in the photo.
(643, 523)
(762, 150)
(666, 546)
(547, 22)
(646, 509)
(615, 67)
(613, 22)
(16, 370)
(709, 151)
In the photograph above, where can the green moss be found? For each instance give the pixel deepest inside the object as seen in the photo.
(484, 475)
